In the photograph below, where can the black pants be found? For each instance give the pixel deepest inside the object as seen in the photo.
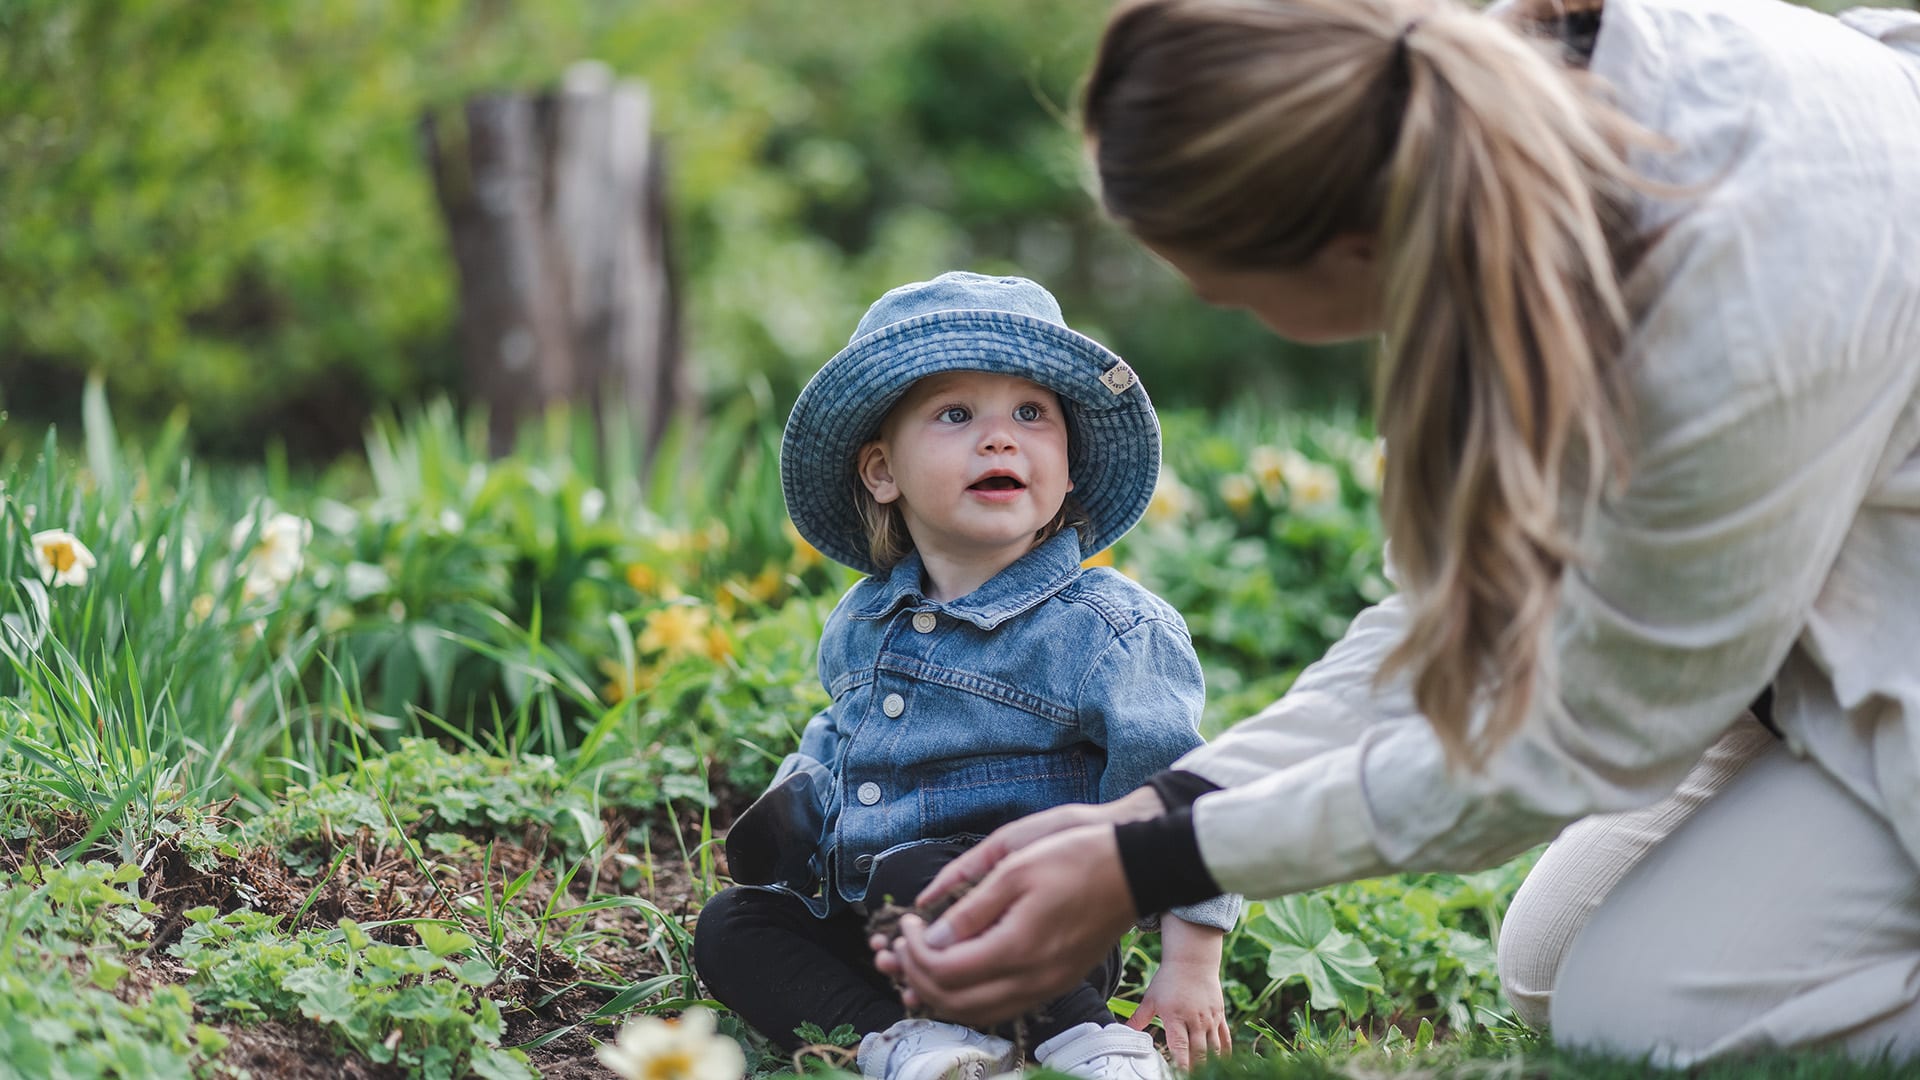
(769, 959)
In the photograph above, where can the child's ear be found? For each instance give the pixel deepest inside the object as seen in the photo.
(877, 474)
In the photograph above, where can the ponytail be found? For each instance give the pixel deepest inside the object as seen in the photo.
(1251, 132)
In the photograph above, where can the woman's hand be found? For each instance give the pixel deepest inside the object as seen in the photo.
(1185, 993)
(1015, 835)
(1042, 918)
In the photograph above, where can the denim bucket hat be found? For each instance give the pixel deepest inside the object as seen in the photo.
(961, 321)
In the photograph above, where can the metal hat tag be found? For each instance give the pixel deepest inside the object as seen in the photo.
(1118, 377)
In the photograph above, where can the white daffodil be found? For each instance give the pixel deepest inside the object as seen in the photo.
(593, 503)
(1313, 486)
(689, 1048)
(1237, 491)
(61, 558)
(277, 551)
(1171, 499)
(1370, 465)
(1268, 467)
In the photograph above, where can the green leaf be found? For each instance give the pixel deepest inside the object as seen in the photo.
(107, 972)
(477, 973)
(326, 996)
(492, 1063)
(441, 941)
(1304, 943)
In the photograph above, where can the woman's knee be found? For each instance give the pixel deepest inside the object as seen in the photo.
(1529, 959)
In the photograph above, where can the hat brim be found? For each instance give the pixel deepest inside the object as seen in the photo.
(1113, 445)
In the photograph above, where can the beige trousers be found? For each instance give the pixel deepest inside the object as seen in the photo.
(1760, 906)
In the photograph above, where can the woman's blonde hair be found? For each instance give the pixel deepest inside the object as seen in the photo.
(1249, 133)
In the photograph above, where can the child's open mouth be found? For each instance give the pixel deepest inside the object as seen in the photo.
(998, 483)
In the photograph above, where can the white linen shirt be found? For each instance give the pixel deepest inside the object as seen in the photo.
(1771, 522)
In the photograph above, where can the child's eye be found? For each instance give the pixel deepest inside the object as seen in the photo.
(955, 414)
(1028, 412)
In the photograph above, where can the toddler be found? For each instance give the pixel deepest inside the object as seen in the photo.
(967, 451)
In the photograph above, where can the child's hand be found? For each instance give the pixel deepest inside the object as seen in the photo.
(1185, 994)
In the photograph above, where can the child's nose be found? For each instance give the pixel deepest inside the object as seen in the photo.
(997, 438)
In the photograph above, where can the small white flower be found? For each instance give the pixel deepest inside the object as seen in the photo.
(1313, 486)
(689, 1048)
(1370, 465)
(1269, 468)
(1171, 499)
(1237, 491)
(592, 504)
(277, 551)
(61, 558)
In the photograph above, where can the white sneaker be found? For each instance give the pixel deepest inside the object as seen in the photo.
(933, 1050)
(1110, 1052)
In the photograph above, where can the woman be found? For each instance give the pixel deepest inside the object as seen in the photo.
(1651, 350)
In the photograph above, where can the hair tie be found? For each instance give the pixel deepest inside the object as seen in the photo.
(1406, 31)
(1402, 76)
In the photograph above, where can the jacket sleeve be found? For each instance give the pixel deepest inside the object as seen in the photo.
(1141, 701)
(819, 742)
(1762, 416)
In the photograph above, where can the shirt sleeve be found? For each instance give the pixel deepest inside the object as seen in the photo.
(1141, 701)
(1764, 406)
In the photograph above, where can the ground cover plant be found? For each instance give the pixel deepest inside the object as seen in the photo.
(419, 766)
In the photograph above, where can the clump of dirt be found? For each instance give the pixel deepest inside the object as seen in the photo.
(296, 1051)
(885, 920)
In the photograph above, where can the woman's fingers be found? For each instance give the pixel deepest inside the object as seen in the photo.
(979, 860)
(972, 865)
(1029, 931)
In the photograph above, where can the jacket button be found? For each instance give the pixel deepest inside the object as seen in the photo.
(924, 622)
(893, 705)
(863, 864)
(869, 793)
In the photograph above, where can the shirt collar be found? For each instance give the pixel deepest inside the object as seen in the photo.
(1034, 577)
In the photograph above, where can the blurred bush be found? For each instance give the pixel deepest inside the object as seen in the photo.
(224, 205)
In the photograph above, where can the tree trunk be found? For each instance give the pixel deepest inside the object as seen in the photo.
(556, 214)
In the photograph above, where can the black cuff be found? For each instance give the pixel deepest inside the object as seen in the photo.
(1161, 859)
(1179, 789)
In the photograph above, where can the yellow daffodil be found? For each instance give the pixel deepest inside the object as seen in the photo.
(644, 579)
(677, 630)
(767, 585)
(278, 547)
(622, 682)
(689, 1048)
(61, 558)
(805, 555)
(1236, 490)
(719, 645)
(1171, 500)
(1099, 558)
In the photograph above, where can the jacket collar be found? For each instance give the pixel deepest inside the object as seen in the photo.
(1034, 577)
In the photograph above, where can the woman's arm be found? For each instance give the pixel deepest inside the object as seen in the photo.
(1761, 423)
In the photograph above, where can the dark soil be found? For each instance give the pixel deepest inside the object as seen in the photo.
(541, 990)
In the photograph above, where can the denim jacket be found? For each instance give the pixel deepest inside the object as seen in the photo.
(1049, 684)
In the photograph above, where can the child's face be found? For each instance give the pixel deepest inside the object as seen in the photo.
(977, 463)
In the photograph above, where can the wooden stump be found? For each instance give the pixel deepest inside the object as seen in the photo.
(557, 218)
